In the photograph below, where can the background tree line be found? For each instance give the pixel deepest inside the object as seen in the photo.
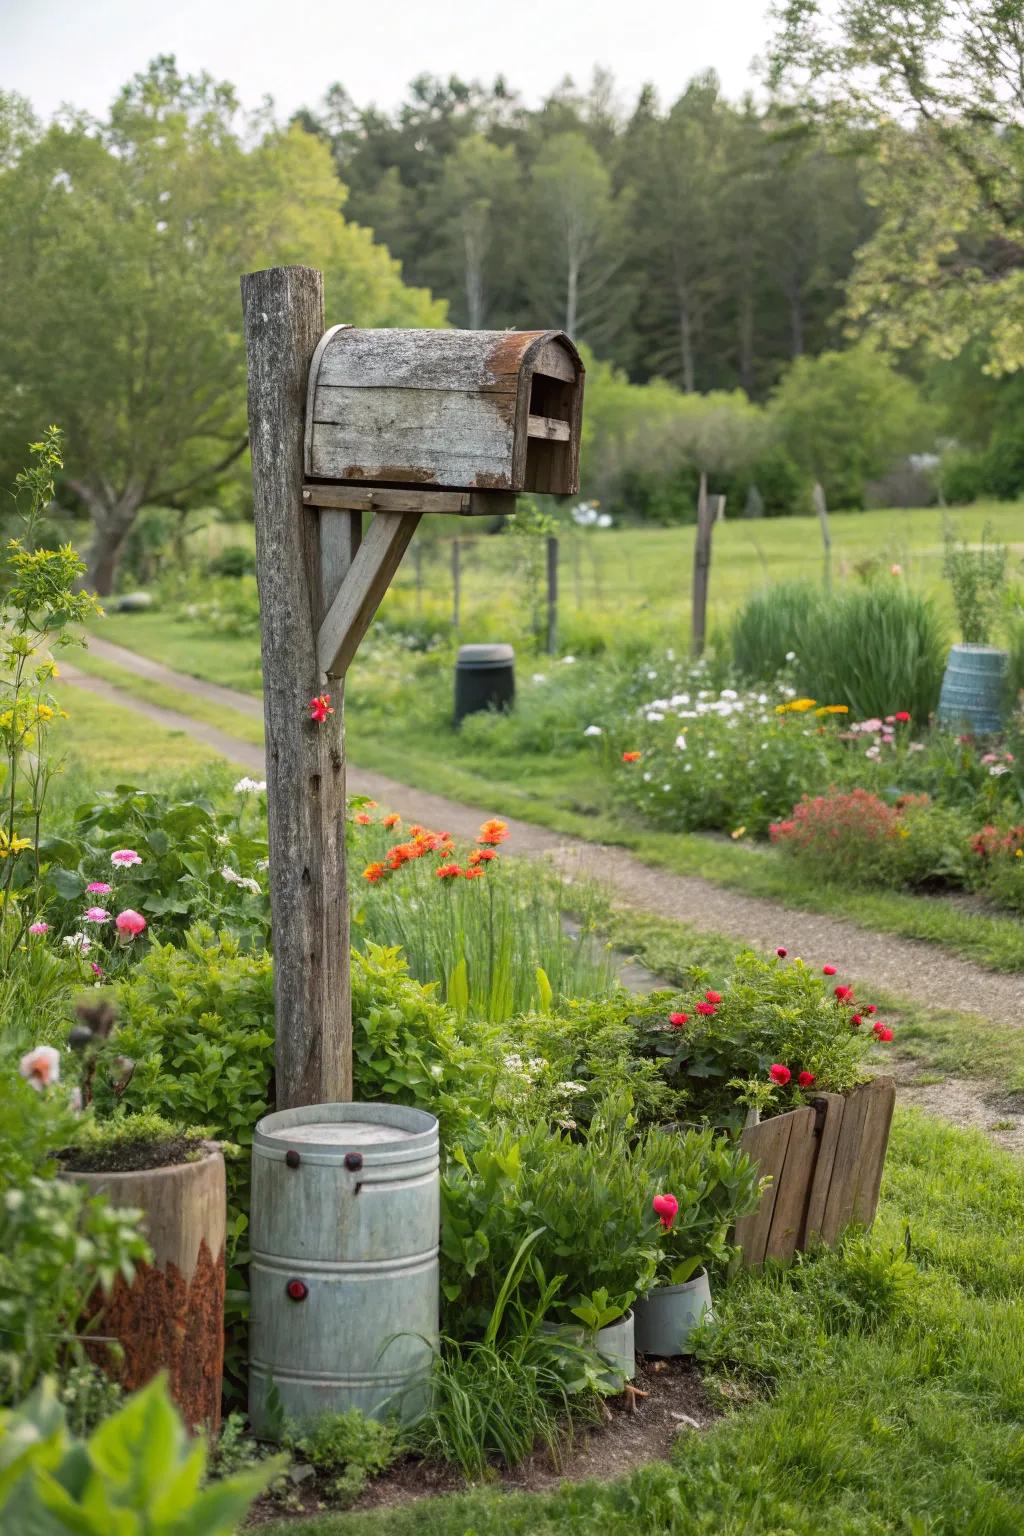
(705, 242)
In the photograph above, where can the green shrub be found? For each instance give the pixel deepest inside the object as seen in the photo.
(767, 633)
(1003, 464)
(139, 1474)
(348, 1449)
(932, 847)
(962, 476)
(877, 649)
(57, 1243)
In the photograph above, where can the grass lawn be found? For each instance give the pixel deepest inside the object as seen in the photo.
(865, 1394)
(106, 745)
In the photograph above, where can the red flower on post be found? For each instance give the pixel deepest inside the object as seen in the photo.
(631, 757)
(805, 1079)
(677, 1020)
(320, 708)
(666, 1208)
(779, 1074)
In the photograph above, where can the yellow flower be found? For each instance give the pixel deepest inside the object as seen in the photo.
(44, 712)
(13, 845)
(833, 709)
(737, 833)
(795, 706)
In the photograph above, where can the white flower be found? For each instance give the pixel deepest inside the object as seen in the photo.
(647, 778)
(243, 881)
(250, 786)
(711, 752)
(874, 753)
(997, 770)
(670, 655)
(791, 655)
(79, 941)
(570, 1088)
(729, 693)
(75, 1097)
(41, 1066)
(681, 742)
(567, 661)
(593, 730)
(655, 714)
(223, 839)
(651, 676)
(666, 789)
(262, 864)
(539, 677)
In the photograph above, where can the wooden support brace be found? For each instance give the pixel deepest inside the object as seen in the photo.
(359, 498)
(362, 589)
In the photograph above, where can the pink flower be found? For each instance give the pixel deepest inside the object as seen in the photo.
(707, 1009)
(39, 928)
(677, 1020)
(96, 915)
(881, 1031)
(666, 1208)
(779, 1074)
(97, 970)
(41, 1066)
(844, 994)
(713, 997)
(122, 857)
(320, 707)
(98, 888)
(129, 925)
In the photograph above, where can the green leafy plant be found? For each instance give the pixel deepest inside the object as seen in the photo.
(139, 1473)
(976, 577)
(130, 1141)
(347, 1449)
(714, 1183)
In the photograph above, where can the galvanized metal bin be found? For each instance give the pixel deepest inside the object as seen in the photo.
(345, 1280)
(972, 688)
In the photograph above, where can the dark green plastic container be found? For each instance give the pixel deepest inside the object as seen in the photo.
(485, 678)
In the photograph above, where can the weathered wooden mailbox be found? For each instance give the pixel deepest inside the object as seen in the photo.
(343, 423)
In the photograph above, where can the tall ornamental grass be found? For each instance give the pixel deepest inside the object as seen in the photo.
(876, 648)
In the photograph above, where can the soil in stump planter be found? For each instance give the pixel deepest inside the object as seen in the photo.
(171, 1318)
(972, 688)
(668, 1314)
(345, 1277)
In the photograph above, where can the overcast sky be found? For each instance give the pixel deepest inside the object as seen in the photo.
(81, 51)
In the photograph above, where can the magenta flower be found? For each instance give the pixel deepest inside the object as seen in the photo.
(666, 1208)
(96, 915)
(122, 857)
(129, 925)
(39, 928)
(98, 888)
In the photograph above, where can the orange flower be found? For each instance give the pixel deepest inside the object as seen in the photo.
(393, 820)
(631, 757)
(483, 855)
(374, 872)
(363, 819)
(493, 832)
(372, 804)
(447, 871)
(401, 853)
(476, 873)
(417, 831)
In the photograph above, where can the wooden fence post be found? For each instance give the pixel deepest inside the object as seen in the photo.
(456, 584)
(821, 507)
(701, 565)
(299, 562)
(552, 635)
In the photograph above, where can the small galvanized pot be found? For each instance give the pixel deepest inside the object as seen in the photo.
(667, 1316)
(972, 688)
(615, 1346)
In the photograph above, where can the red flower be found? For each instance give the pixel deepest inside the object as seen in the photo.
(320, 708)
(844, 994)
(781, 952)
(779, 1074)
(713, 997)
(805, 1079)
(374, 872)
(871, 1008)
(856, 1020)
(390, 821)
(881, 1031)
(666, 1208)
(363, 819)
(474, 874)
(631, 757)
(707, 1009)
(483, 855)
(828, 970)
(493, 832)
(677, 1020)
(902, 715)
(447, 871)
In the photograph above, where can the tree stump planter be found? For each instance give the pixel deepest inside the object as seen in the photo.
(825, 1161)
(171, 1318)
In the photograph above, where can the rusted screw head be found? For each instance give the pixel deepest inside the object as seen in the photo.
(353, 1161)
(292, 1158)
(297, 1290)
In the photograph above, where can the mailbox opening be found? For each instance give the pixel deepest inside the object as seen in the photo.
(549, 448)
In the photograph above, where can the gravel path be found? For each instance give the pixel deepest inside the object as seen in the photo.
(905, 967)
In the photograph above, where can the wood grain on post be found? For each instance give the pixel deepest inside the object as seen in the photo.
(701, 566)
(283, 310)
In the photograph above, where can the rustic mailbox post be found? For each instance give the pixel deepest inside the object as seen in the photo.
(342, 423)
